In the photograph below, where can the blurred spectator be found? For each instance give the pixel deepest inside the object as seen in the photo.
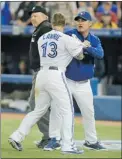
(21, 15)
(83, 6)
(69, 9)
(44, 4)
(94, 5)
(5, 13)
(4, 69)
(16, 91)
(106, 8)
(106, 22)
(119, 13)
(13, 7)
(23, 68)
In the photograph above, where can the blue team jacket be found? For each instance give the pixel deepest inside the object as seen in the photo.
(82, 70)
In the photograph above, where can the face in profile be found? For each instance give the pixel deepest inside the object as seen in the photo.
(83, 25)
(37, 18)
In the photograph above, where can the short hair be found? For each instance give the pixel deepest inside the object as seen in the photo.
(58, 19)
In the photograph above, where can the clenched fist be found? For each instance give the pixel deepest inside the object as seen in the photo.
(86, 43)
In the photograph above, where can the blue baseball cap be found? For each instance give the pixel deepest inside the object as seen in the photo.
(83, 15)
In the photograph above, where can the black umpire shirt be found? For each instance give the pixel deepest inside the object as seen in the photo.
(43, 28)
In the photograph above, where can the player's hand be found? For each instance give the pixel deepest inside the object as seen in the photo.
(86, 43)
(80, 57)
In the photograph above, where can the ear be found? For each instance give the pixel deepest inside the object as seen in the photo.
(90, 23)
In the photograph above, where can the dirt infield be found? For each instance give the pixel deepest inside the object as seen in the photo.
(77, 119)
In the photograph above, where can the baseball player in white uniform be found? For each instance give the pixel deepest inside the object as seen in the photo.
(56, 52)
(79, 84)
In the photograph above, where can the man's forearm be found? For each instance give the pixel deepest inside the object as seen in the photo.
(97, 53)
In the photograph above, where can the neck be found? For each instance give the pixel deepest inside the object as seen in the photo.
(40, 23)
(58, 28)
(85, 34)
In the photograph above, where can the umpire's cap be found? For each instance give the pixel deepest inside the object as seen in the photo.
(38, 9)
(83, 15)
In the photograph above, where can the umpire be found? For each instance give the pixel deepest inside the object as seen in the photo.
(39, 19)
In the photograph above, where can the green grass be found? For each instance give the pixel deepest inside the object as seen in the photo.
(30, 150)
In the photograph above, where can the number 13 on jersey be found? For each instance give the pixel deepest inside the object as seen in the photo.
(53, 48)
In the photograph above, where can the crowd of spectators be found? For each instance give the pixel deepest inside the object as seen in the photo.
(104, 14)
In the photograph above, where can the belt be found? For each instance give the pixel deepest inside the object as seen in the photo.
(77, 81)
(82, 81)
(50, 67)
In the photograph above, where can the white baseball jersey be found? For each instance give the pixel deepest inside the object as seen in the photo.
(57, 49)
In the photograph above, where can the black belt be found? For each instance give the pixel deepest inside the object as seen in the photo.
(53, 68)
(50, 68)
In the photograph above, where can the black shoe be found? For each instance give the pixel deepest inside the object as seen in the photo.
(96, 146)
(15, 144)
(41, 144)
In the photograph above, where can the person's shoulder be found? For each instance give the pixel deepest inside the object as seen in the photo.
(95, 39)
(44, 28)
(45, 24)
(114, 25)
(41, 35)
(70, 31)
(94, 36)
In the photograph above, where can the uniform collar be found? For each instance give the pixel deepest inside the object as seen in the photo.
(86, 38)
(41, 24)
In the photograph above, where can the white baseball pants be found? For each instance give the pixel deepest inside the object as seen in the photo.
(83, 95)
(50, 86)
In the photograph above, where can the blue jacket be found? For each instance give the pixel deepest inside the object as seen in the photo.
(82, 70)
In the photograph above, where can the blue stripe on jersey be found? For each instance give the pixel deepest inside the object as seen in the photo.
(71, 103)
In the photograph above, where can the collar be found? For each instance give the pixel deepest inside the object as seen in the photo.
(41, 24)
(86, 38)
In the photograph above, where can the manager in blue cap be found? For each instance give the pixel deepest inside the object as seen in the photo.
(78, 75)
(84, 16)
(79, 82)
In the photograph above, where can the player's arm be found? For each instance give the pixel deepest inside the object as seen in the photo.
(96, 52)
(74, 47)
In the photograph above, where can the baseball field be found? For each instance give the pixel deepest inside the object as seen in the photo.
(9, 122)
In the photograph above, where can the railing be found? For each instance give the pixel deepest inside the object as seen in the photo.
(27, 79)
(17, 30)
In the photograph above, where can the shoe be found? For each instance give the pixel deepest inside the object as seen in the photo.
(73, 151)
(41, 144)
(53, 144)
(15, 144)
(96, 146)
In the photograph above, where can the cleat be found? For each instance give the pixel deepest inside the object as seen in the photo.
(15, 144)
(96, 146)
(41, 144)
(53, 144)
(73, 151)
